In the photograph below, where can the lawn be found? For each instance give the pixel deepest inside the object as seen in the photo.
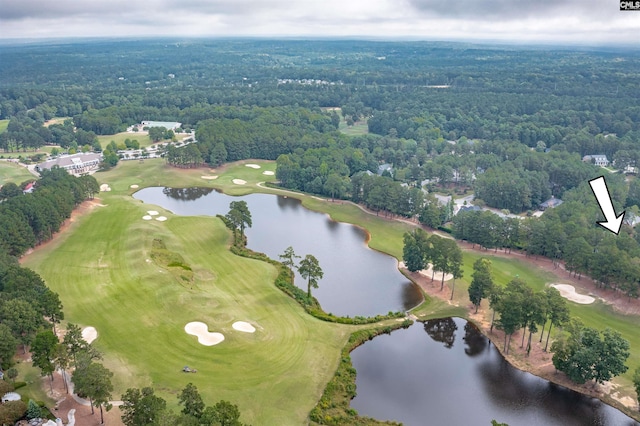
(12, 172)
(3, 125)
(118, 138)
(139, 309)
(359, 128)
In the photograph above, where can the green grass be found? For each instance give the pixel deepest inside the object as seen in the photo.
(3, 125)
(11, 172)
(139, 309)
(119, 138)
(358, 129)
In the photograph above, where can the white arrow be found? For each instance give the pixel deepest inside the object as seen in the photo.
(601, 191)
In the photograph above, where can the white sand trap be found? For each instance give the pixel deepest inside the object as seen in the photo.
(89, 334)
(147, 217)
(209, 177)
(239, 181)
(134, 187)
(268, 173)
(244, 327)
(253, 166)
(153, 213)
(104, 187)
(161, 218)
(427, 273)
(569, 292)
(201, 331)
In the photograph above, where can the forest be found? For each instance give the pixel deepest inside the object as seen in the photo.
(509, 125)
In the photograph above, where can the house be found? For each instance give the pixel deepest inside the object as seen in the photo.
(550, 203)
(76, 164)
(385, 168)
(598, 160)
(27, 190)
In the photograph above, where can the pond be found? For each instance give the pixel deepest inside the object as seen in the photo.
(357, 280)
(445, 372)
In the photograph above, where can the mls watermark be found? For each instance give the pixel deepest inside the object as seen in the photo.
(629, 5)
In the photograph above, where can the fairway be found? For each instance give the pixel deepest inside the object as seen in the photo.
(140, 309)
(12, 172)
(119, 138)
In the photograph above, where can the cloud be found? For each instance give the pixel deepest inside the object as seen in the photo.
(501, 10)
(534, 20)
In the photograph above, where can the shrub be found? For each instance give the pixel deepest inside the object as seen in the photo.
(11, 412)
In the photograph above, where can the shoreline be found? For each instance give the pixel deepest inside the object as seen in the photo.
(537, 363)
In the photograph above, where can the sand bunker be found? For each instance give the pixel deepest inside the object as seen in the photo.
(268, 173)
(239, 181)
(134, 187)
(153, 213)
(89, 334)
(161, 218)
(104, 187)
(209, 177)
(427, 273)
(569, 292)
(253, 166)
(244, 327)
(201, 331)
(147, 217)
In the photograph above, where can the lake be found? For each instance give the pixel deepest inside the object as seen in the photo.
(357, 280)
(445, 372)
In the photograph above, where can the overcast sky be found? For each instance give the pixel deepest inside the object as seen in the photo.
(548, 21)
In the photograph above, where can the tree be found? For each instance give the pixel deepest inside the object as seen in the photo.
(157, 133)
(413, 250)
(288, 258)
(584, 355)
(43, 353)
(191, 401)
(239, 215)
(33, 410)
(23, 320)
(93, 381)
(141, 408)
(636, 383)
(558, 311)
(310, 270)
(74, 342)
(510, 309)
(223, 413)
(481, 282)
(7, 345)
(52, 307)
(12, 374)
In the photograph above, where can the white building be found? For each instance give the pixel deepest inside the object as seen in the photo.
(598, 160)
(76, 164)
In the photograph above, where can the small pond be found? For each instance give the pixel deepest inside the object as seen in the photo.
(445, 373)
(357, 280)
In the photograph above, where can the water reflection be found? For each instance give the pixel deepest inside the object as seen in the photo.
(415, 379)
(474, 341)
(186, 194)
(442, 330)
(357, 280)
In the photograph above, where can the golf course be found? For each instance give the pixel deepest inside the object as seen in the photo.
(140, 282)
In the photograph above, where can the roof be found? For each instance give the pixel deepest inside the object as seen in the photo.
(165, 124)
(551, 202)
(595, 157)
(70, 160)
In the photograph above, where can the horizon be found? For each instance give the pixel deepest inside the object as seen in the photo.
(519, 22)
